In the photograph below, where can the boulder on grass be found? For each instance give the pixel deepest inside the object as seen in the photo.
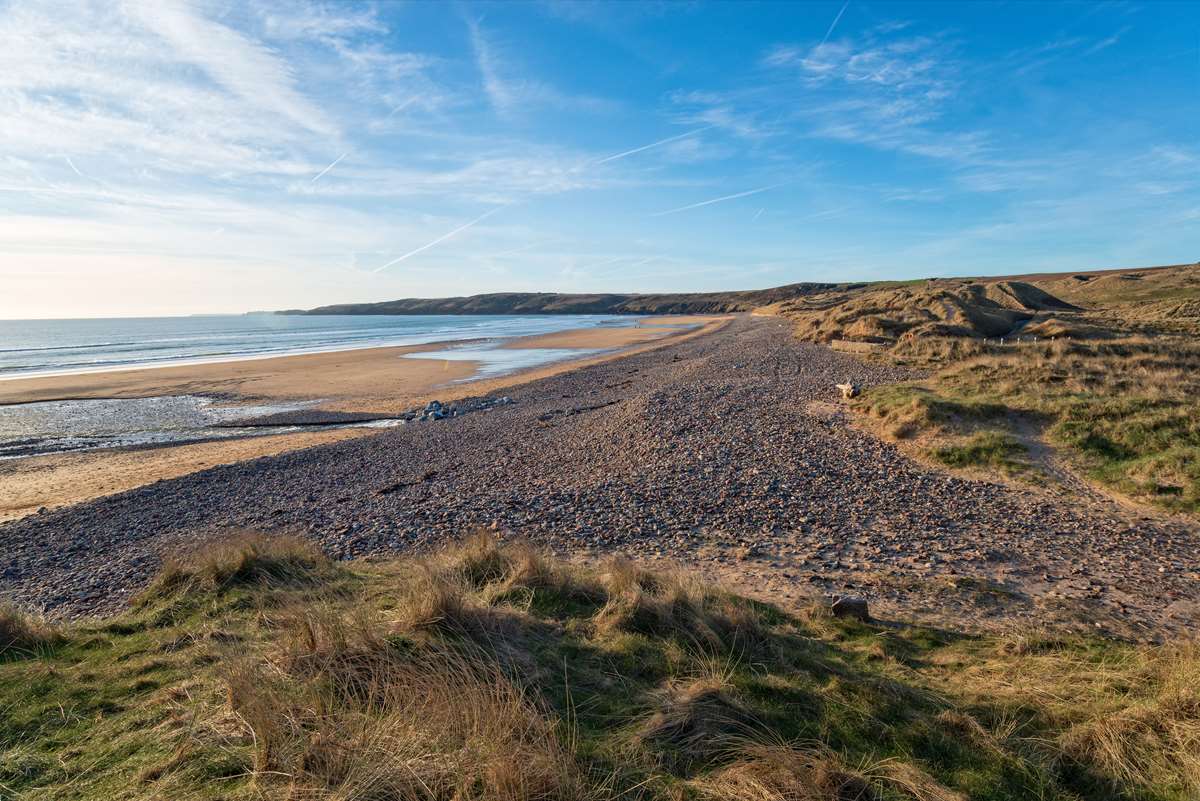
(851, 607)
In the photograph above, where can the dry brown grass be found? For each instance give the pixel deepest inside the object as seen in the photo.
(24, 632)
(696, 722)
(504, 570)
(343, 713)
(783, 773)
(945, 309)
(433, 598)
(1132, 719)
(245, 558)
(312, 691)
(674, 604)
(1125, 410)
(452, 590)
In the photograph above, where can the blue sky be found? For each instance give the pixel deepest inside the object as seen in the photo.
(168, 157)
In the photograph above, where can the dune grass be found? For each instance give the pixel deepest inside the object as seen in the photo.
(1126, 411)
(494, 671)
(23, 632)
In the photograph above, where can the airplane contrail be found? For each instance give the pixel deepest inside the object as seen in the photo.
(522, 249)
(716, 200)
(484, 216)
(836, 19)
(613, 260)
(401, 107)
(330, 167)
(71, 164)
(604, 160)
(668, 140)
(441, 238)
(758, 214)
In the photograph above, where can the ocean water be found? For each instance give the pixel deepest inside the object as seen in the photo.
(40, 347)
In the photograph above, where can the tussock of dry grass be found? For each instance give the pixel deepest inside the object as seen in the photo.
(242, 559)
(674, 604)
(696, 722)
(452, 590)
(777, 772)
(342, 713)
(23, 632)
(431, 598)
(774, 773)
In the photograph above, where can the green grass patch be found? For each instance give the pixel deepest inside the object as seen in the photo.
(989, 449)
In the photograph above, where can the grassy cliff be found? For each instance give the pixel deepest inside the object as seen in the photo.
(563, 303)
(258, 669)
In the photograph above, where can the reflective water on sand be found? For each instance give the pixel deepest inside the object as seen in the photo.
(494, 360)
(30, 429)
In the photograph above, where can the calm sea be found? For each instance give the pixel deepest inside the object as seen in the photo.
(31, 347)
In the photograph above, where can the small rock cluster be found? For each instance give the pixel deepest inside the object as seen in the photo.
(436, 410)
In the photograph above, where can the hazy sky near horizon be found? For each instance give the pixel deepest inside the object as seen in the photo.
(167, 157)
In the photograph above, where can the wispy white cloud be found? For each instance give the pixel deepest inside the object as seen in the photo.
(1027, 61)
(236, 63)
(882, 91)
(726, 111)
(1107, 42)
(511, 93)
(302, 21)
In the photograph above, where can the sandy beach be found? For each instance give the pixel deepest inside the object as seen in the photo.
(375, 380)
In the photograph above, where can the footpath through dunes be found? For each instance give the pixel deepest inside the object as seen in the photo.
(724, 452)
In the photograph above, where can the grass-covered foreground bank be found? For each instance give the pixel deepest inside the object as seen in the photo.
(260, 670)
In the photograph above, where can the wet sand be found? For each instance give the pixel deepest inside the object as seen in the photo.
(378, 380)
(61, 479)
(370, 379)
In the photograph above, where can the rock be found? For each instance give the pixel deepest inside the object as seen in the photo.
(849, 390)
(851, 607)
